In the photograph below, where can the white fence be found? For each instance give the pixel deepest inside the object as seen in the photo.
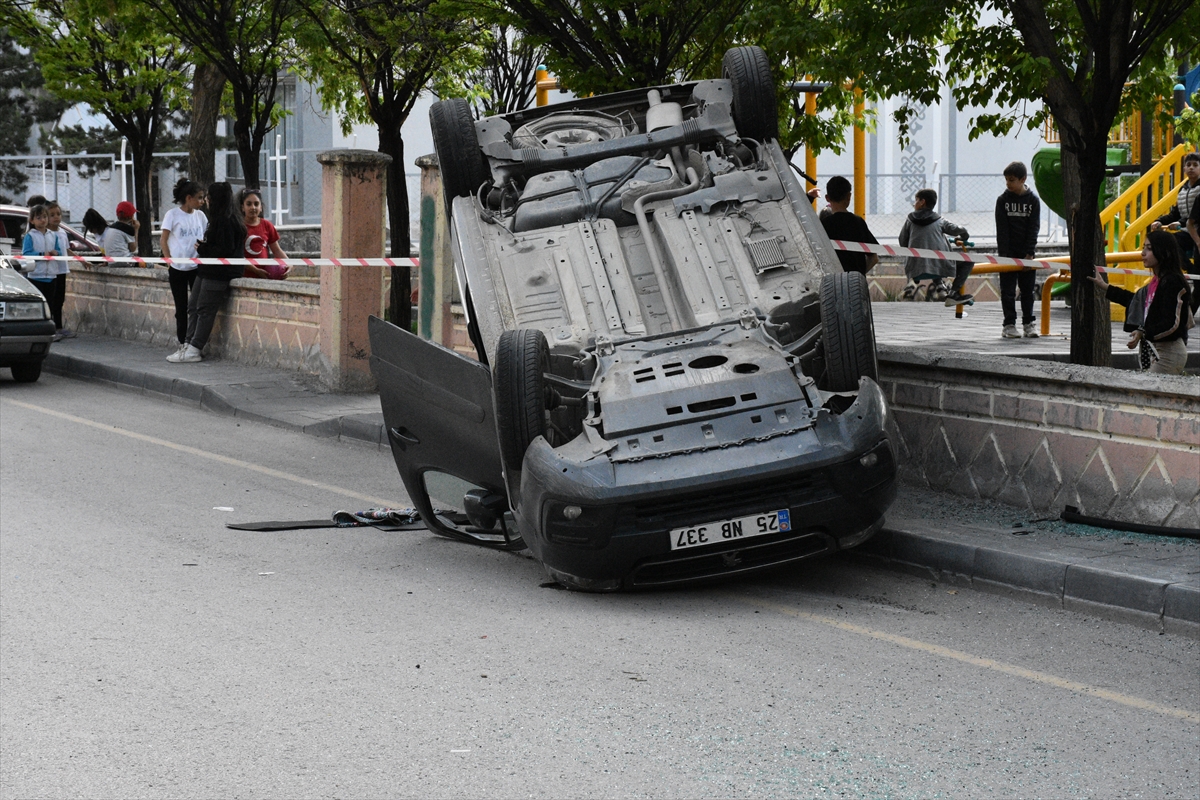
(292, 191)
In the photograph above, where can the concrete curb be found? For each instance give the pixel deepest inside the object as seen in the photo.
(1157, 603)
(223, 398)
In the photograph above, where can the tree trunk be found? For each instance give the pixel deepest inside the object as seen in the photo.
(247, 153)
(400, 300)
(1083, 176)
(207, 85)
(142, 157)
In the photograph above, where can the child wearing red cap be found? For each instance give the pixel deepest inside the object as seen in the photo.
(120, 238)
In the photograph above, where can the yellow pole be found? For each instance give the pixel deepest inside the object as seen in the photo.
(860, 157)
(543, 94)
(810, 154)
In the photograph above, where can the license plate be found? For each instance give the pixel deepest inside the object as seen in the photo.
(728, 530)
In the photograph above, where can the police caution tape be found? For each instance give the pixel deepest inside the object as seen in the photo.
(850, 247)
(232, 262)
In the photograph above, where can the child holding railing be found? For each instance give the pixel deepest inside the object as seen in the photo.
(1159, 314)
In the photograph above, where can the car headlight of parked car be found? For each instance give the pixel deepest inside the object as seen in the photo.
(14, 311)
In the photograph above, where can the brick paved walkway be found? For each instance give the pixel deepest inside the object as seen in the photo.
(922, 324)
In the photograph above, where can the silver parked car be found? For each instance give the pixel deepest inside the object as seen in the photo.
(26, 328)
(676, 381)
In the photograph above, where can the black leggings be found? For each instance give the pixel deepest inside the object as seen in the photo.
(181, 283)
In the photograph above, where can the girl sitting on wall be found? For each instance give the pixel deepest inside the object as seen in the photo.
(262, 240)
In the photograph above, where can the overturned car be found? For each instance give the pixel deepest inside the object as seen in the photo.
(676, 381)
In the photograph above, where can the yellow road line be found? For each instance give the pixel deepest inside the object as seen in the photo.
(979, 661)
(183, 448)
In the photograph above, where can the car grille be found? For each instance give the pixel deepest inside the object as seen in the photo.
(729, 501)
(674, 570)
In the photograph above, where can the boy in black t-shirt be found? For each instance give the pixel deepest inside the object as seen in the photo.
(1018, 220)
(843, 225)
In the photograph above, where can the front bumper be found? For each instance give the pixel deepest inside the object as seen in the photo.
(25, 342)
(622, 537)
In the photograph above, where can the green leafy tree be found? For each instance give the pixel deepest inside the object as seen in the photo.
(847, 46)
(1188, 123)
(1077, 58)
(114, 59)
(106, 140)
(249, 42)
(372, 59)
(23, 103)
(1086, 62)
(598, 46)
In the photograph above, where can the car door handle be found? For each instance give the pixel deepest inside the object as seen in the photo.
(403, 435)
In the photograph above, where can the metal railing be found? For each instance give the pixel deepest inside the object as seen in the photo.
(1125, 219)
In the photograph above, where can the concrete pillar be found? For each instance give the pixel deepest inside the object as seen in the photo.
(434, 318)
(353, 208)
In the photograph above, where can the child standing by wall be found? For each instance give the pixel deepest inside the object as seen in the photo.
(182, 227)
(34, 244)
(225, 238)
(262, 240)
(57, 243)
(1018, 221)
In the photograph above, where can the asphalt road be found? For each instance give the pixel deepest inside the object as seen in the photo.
(147, 651)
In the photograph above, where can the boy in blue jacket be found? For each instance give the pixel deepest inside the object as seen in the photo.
(1018, 220)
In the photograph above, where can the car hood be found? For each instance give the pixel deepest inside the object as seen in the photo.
(14, 286)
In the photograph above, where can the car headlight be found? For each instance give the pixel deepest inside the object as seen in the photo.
(24, 311)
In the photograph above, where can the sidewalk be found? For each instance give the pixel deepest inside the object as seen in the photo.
(1151, 581)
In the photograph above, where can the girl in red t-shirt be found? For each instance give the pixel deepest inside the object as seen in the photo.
(262, 240)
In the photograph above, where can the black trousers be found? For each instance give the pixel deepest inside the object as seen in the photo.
(181, 283)
(55, 292)
(207, 298)
(1026, 279)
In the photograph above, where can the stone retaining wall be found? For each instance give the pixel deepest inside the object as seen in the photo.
(1044, 435)
(264, 323)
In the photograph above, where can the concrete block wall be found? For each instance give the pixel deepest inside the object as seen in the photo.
(1044, 435)
(265, 323)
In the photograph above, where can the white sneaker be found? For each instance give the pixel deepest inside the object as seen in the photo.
(1010, 332)
(1031, 330)
(186, 355)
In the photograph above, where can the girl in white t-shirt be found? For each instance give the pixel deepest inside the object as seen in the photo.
(182, 227)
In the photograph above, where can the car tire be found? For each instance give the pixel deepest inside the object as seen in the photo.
(754, 105)
(519, 386)
(27, 373)
(463, 166)
(847, 331)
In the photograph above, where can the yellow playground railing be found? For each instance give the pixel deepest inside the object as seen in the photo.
(1130, 282)
(1126, 219)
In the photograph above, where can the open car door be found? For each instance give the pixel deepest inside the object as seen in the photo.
(437, 411)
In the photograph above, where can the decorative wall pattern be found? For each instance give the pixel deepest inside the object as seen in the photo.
(265, 323)
(1042, 435)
